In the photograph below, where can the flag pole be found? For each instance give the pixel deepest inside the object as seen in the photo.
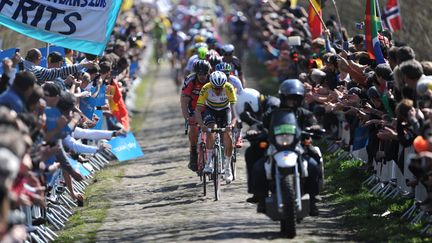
(320, 18)
(338, 16)
(47, 53)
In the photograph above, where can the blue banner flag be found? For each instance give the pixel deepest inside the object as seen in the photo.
(84, 26)
(126, 147)
(100, 99)
(51, 49)
(98, 113)
(361, 138)
(52, 116)
(78, 167)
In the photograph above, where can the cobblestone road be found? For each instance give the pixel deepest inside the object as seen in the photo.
(160, 200)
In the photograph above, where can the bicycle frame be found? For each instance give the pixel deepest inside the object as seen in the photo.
(218, 157)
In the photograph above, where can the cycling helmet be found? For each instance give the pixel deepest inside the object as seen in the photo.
(199, 39)
(213, 53)
(200, 44)
(202, 53)
(218, 79)
(224, 67)
(228, 49)
(211, 40)
(201, 66)
(192, 32)
(176, 27)
(291, 90)
(249, 97)
(214, 60)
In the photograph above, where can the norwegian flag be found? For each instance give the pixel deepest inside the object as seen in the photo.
(391, 16)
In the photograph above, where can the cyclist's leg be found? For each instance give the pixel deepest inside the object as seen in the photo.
(193, 140)
(225, 117)
(210, 122)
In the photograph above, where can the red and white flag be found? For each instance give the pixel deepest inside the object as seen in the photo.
(391, 16)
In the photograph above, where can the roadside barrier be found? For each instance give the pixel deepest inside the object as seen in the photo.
(42, 223)
(388, 180)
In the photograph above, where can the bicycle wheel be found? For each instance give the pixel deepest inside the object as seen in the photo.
(216, 172)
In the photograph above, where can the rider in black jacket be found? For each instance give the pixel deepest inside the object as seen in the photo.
(253, 106)
(291, 94)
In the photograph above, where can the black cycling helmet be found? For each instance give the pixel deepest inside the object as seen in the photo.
(201, 66)
(291, 90)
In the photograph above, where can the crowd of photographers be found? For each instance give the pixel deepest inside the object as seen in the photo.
(389, 104)
(48, 114)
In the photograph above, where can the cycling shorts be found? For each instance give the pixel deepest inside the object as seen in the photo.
(221, 118)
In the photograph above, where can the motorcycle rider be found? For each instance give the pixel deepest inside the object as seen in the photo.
(252, 107)
(291, 95)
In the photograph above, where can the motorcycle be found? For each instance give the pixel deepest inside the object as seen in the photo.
(285, 166)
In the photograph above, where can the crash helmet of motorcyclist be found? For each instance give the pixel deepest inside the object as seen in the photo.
(201, 67)
(214, 60)
(224, 67)
(248, 100)
(202, 53)
(291, 93)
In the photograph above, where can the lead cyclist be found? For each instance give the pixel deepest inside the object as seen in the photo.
(218, 98)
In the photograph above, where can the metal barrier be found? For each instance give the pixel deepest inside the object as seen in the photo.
(388, 180)
(59, 202)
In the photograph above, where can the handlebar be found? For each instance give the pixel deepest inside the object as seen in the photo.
(216, 130)
(314, 133)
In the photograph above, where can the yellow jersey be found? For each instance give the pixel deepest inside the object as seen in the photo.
(209, 98)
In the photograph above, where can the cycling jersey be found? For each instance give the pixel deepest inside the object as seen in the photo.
(192, 88)
(236, 83)
(236, 65)
(190, 63)
(209, 98)
(175, 43)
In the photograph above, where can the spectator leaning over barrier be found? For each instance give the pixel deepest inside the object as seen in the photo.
(32, 64)
(411, 71)
(8, 75)
(17, 95)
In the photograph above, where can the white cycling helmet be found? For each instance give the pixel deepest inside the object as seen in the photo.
(218, 79)
(250, 96)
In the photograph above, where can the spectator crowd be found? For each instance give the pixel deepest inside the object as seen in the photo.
(383, 109)
(52, 114)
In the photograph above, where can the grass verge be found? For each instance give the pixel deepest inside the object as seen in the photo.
(371, 217)
(142, 96)
(84, 224)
